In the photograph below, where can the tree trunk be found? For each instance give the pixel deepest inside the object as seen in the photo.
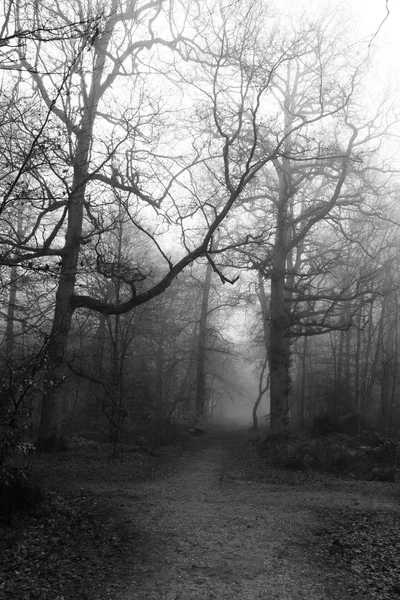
(303, 382)
(265, 315)
(201, 352)
(99, 343)
(261, 392)
(183, 393)
(395, 362)
(49, 437)
(117, 358)
(387, 370)
(379, 347)
(280, 307)
(368, 369)
(116, 373)
(348, 369)
(9, 337)
(12, 299)
(159, 359)
(357, 370)
(280, 353)
(280, 318)
(338, 390)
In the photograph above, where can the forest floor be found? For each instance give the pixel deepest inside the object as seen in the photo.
(207, 520)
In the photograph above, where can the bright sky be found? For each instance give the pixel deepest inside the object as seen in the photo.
(368, 17)
(371, 14)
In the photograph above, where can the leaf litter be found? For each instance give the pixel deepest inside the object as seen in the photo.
(202, 521)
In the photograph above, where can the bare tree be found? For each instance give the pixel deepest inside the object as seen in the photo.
(303, 204)
(251, 124)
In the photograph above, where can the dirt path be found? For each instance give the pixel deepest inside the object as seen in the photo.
(208, 521)
(204, 531)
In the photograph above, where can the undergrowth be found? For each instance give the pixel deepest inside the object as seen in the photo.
(366, 456)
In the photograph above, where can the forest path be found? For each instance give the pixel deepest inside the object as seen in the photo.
(209, 519)
(203, 531)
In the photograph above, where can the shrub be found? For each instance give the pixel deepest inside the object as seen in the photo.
(283, 452)
(19, 380)
(295, 463)
(325, 424)
(329, 423)
(334, 453)
(386, 453)
(18, 493)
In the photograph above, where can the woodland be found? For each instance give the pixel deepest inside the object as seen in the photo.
(183, 186)
(198, 218)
